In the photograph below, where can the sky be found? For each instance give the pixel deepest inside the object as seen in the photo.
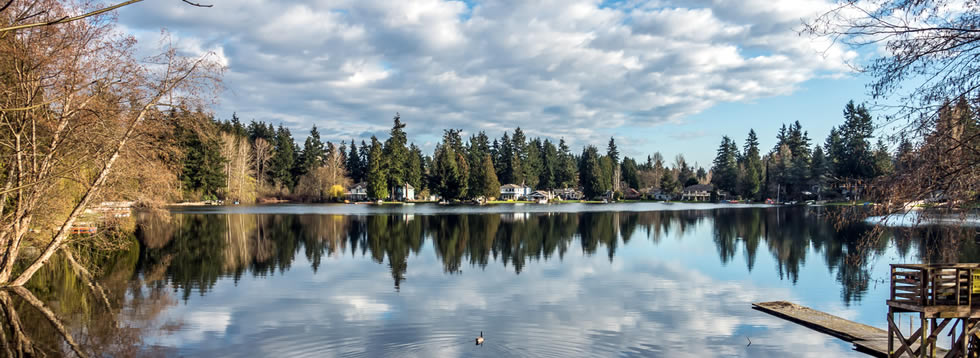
(658, 75)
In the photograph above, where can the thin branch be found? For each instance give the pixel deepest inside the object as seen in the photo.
(196, 4)
(70, 19)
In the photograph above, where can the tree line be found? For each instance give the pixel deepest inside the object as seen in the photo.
(231, 159)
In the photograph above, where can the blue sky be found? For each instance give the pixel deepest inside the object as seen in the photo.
(660, 75)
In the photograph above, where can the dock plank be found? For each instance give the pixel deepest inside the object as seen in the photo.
(866, 339)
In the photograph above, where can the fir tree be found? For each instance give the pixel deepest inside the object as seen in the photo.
(725, 168)
(396, 155)
(377, 185)
(284, 159)
(312, 155)
(354, 163)
(590, 173)
(566, 172)
(751, 181)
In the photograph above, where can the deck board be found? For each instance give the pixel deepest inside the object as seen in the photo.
(866, 339)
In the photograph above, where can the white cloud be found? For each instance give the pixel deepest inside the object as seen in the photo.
(555, 67)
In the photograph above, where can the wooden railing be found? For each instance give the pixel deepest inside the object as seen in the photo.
(933, 284)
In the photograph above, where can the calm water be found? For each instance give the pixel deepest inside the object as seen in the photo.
(423, 281)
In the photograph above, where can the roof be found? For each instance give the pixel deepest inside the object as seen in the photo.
(699, 187)
(512, 186)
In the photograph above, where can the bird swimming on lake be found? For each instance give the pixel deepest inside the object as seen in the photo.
(479, 340)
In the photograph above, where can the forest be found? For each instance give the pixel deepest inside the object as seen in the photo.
(228, 159)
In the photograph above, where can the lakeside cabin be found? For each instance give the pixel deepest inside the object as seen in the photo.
(697, 192)
(514, 191)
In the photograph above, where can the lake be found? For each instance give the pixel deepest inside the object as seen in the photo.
(570, 280)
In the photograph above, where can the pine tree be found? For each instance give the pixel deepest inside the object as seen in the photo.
(590, 173)
(451, 169)
(857, 129)
(354, 163)
(284, 159)
(518, 154)
(818, 167)
(550, 160)
(630, 172)
(751, 181)
(725, 168)
(414, 170)
(615, 175)
(396, 155)
(883, 160)
(312, 155)
(377, 177)
(364, 161)
(567, 169)
(532, 163)
(203, 166)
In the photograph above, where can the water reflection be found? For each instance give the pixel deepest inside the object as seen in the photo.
(406, 284)
(204, 247)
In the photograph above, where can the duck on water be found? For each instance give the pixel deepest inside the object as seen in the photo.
(479, 340)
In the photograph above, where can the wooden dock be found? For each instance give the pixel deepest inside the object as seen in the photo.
(866, 339)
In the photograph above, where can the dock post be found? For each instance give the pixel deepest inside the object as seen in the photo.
(891, 332)
(922, 337)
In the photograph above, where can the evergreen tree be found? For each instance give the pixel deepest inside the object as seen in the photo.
(489, 184)
(751, 181)
(566, 171)
(451, 169)
(532, 163)
(284, 159)
(630, 172)
(818, 167)
(354, 163)
(396, 155)
(702, 174)
(858, 127)
(377, 177)
(668, 184)
(518, 154)
(551, 163)
(590, 173)
(203, 166)
(614, 173)
(478, 148)
(685, 176)
(882, 160)
(505, 163)
(725, 168)
(365, 152)
(414, 170)
(312, 155)
(836, 157)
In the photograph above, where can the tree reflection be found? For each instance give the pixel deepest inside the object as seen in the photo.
(59, 312)
(203, 248)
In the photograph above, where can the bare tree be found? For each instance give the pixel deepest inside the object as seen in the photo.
(263, 153)
(74, 97)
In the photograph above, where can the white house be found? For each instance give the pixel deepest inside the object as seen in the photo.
(514, 191)
(358, 192)
(404, 192)
(540, 194)
(569, 194)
